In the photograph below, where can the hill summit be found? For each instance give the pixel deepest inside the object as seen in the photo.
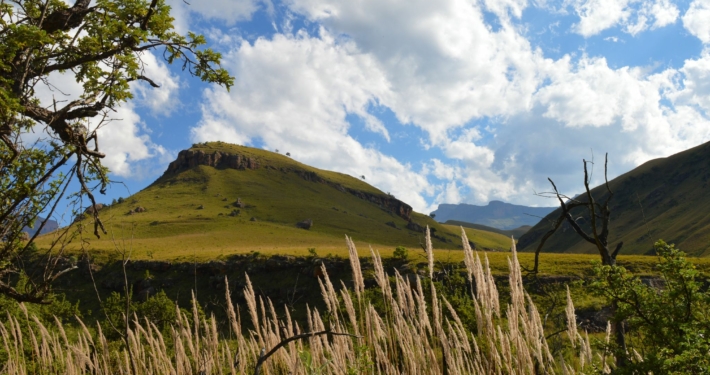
(664, 198)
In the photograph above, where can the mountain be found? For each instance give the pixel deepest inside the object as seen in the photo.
(665, 198)
(218, 198)
(496, 214)
(50, 226)
(515, 233)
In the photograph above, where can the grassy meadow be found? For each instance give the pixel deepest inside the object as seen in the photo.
(410, 328)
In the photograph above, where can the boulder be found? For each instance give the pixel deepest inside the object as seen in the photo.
(392, 224)
(238, 203)
(415, 227)
(305, 224)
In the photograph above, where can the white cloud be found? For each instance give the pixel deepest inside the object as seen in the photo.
(696, 20)
(695, 89)
(598, 15)
(652, 15)
(444, 64)
(633, 16)
(228, 11)
(592, 94)
(162, 100)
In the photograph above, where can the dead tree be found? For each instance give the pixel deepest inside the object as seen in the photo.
(598, 213)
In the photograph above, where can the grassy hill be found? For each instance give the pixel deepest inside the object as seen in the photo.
(664, 198)
(192, 211)
(515, 233)
(483, 239)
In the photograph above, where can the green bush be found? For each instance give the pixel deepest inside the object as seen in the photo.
(400, 253)
(669, 325)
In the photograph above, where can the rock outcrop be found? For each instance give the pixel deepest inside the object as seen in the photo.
(191, 158)
(305, 224)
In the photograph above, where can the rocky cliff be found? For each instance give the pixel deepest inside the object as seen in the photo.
(191, 158)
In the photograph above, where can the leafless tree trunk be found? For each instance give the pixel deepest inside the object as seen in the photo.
(598, 213)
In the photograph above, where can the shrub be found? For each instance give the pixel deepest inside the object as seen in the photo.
(669, 325)
(400, 253)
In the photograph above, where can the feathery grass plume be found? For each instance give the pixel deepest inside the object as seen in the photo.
(358, 280)
(429, 253)
(468, 259)
(571, 320)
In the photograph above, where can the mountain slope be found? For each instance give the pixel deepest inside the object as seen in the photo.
(496, 214)
(664, 198)
(218, 198)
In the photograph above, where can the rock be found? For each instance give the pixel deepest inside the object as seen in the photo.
(139, 209)
(238, 203)
(90, 210)
(415, 227)
(201, 207)
(305, 224)
(234, 213)
(191, 158)
(252, 219)
(392, 224)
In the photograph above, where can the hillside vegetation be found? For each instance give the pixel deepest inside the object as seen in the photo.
(663, 198)
(200, 211)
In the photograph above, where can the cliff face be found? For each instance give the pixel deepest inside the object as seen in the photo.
(191, 158)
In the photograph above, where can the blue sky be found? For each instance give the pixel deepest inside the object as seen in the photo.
(447, 101)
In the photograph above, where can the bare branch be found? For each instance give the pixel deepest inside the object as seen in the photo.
(264, 357)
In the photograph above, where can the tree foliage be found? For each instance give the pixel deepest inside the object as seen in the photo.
(669, 324)
(102, 46)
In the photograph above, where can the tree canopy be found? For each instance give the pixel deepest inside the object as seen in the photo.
(102, 45)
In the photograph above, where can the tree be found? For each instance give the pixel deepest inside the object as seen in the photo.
(101, 46)
(670, 325)
(599, 215)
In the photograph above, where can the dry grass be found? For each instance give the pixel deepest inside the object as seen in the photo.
(417, 333)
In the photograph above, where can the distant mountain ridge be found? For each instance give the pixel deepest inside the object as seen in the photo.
(51, 225)
(496, 214)
(516, 233)
(664, 198)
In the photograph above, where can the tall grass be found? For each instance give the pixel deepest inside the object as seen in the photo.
(417, 332)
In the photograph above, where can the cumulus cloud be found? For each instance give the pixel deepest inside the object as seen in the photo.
(632, 15)
(228, 11)
(445, 65)
(695, 20)
(159, 100)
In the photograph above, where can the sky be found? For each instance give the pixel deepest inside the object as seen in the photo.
(446, 101)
